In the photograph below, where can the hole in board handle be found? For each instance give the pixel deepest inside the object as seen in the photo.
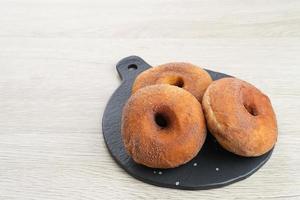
(132, 67)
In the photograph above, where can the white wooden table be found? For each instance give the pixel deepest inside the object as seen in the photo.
(57, 72)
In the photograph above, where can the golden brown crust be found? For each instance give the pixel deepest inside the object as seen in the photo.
(185, 75)
(240, 117)
(163, 146)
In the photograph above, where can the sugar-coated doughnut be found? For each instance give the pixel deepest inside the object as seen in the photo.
(184, 75)
(240, 117)
(163, 126)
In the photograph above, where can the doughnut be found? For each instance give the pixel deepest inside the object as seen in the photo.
(184, 75)
(240, 117)
(162, 126)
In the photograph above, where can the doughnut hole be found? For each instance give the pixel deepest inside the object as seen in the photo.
(251, 109)
(249, 102)
(174, 80)
(164, 117)
(161, 120)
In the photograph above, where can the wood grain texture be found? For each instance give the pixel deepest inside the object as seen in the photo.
(57, 72)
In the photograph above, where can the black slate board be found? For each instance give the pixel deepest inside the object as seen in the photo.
(213, 167)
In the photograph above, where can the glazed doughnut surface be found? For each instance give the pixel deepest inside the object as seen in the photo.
(240, 117)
